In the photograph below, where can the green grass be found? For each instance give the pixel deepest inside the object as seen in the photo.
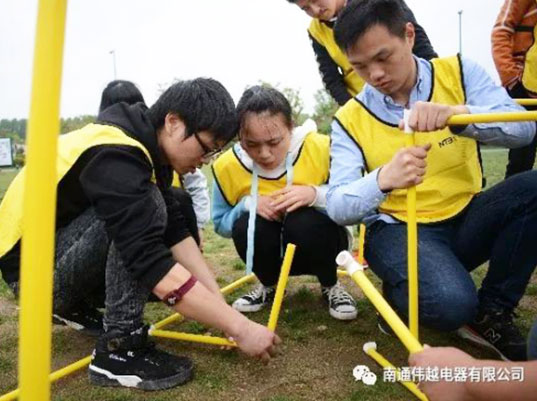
(316, 358)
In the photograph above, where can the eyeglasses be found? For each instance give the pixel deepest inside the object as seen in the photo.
(207, 152)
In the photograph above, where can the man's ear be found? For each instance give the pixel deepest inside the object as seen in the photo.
(171, 123)
(410, 34)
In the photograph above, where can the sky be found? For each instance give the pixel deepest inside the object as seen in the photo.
(238, 42)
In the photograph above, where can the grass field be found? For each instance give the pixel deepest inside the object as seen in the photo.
(317, 356)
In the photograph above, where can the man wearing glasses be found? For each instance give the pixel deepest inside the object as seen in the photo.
(120, 234)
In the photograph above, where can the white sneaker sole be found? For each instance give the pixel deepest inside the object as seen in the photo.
(248, 308)
(343, 315)
(470, 335)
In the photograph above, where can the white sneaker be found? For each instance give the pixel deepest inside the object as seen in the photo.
(255, 300)
(341, 304)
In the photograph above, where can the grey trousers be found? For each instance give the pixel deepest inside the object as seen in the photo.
(88, 268)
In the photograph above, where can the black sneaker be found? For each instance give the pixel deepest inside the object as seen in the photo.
(383, 326)
(85, 319)
(255, 300)
(341, 305)
(495, 329)
(132, 361)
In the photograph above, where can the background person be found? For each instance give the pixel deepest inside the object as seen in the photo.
(515, 56)
(339, 78)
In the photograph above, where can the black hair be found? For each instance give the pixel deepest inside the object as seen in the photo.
(360, 15)
(203, 104)
(120, 91)
(259, 99)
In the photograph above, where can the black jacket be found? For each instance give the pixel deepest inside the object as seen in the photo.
(116, 181)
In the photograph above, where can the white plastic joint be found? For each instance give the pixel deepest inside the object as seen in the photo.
(345, 259)
(370, 346)
(406, 117)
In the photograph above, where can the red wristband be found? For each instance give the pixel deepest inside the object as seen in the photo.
(176, 295)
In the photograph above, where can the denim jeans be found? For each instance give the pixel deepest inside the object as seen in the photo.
(532, 343)
(88, 267)
(499, 225)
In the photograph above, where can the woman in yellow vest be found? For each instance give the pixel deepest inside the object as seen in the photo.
(339, 78)
(270, 190)
(120, 231)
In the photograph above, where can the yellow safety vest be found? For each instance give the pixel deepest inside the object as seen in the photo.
(177, 181)
(311, 167)
(323, 34)
(70, 148)
(453, 174)
(529, 76)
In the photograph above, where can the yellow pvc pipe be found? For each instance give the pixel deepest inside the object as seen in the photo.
(410, 386)
(385, 310)
(39, 204)
(342, 273)
(356, 272)
(526, 102)
(226, 290)
(53, 376)
(84, 362)
(280, 289)
(361, 242)
(197, 338)
(412, 253)
(465, 119)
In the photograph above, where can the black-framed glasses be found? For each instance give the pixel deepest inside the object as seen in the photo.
(207, 152)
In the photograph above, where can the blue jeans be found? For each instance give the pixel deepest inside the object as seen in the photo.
(499, 225)
(532, 343)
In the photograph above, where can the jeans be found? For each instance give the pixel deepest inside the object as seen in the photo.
(532, 343)
(88, 266)
(499, 225)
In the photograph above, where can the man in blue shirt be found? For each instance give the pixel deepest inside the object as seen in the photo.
(459, 227)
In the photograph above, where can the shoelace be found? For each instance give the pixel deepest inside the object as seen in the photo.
(339, 295)
(257, 292)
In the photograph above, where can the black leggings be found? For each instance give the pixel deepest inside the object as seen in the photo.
(318, 240)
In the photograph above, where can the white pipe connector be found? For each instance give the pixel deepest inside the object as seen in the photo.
(346, 260)
(406, 117)
(370, 346)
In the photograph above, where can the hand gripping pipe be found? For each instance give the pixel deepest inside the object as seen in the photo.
(355, 270)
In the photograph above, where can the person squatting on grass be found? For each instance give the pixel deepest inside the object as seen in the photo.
(119, 231)
(515, 55)
(460, 226)
(270, 190)
(190, 189)
(339, 78)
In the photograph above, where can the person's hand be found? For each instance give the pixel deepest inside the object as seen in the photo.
(442, 357)
(266, 210)
(406, 168)
(257, 341)
(291, 198)
(427, 116)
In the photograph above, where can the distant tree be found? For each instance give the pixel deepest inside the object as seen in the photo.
(295, 100)
(74, 123)
(325, 108)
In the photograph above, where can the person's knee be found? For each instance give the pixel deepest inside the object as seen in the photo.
(449, 310)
